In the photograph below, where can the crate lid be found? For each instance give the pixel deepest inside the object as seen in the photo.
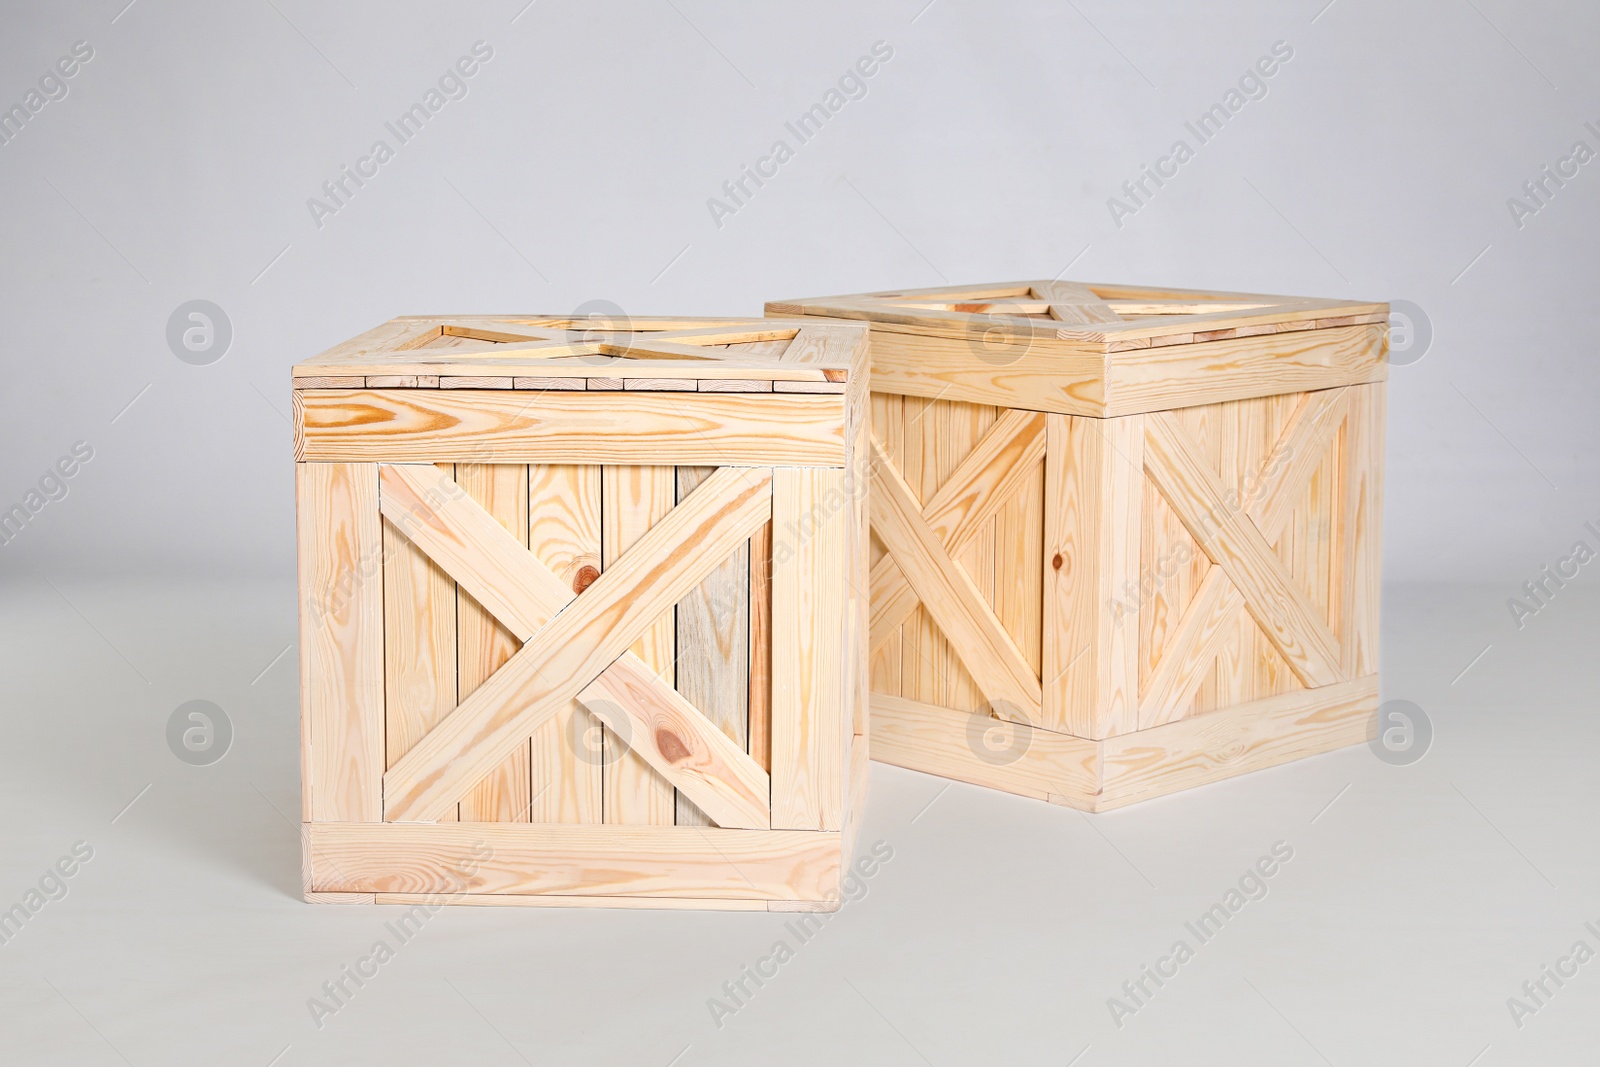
(534, 351)
(1101, 349)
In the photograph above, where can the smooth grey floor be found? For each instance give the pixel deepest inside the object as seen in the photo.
(1418, 899)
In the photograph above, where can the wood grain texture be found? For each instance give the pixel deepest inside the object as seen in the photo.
(1235, 740)
(1071, 302)
(1001, 671)
(569, 900)
(1265, 365)
(1116, 771)
(1195, 493)
(419, 609)
(1362, 569)
(759, 660)
(987, 480)
(611, 861)
(1093, 504)
(633, 500)
(564, 535)
(1205, 626)
(485, 644)
(713, 647)
(578, 644)
(710, 770)
(810, 712)
(340, 547)
(981, 750)
(494, 426)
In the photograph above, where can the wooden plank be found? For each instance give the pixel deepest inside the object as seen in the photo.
(1186, 375)
(476, 381)
(981, 750)
(1094, 487)
(340, 546)
(505, 793)
(1232, 741)
(572, 650)
(710, 770)
(810, 692)
(524, 381)
(419, 611)
(564, 535)
(948, 594)
(1362, 567)
(611, 861)
(393, 381)
(1074, 303)
(468, 425)
(633, 500)
(1035, 374)
(759, 700)
(573, 361)
(713, 647)
(331, 381)
(568, 900)
(1234, 544)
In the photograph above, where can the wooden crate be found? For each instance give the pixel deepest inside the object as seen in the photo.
(579, 613)
(1125, 541)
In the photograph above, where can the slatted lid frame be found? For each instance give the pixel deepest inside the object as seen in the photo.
(1112, 317)
(795, 356)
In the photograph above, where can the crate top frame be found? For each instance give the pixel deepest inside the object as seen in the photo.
(1106, 349)
(429, 350)
(1119, 317)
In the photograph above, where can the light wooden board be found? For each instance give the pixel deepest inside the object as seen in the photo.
(1082, 377)
(1232, 741)
(564, 534)
(633, 500)
(810, 693)
(505, 794)
(419, 608)
(759, 659)
(1111, 773)
(953, 744)
(469, 425)
(713, 646)
(664, 861)
(341, 641)
(1093, 487)
(714, 777)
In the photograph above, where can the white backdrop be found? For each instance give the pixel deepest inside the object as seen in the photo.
(579, 160)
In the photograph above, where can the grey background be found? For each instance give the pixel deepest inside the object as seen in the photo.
(579, 165)
(577, 168)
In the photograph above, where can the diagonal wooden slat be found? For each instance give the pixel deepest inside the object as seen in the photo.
(563, 656)
(1002, 672)
(989, 477)
(681, 744)
(502, 332)
(1283, 479)
(1197, 496)
(1071, 302)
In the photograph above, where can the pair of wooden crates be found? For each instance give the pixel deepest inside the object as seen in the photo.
(589, 609)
